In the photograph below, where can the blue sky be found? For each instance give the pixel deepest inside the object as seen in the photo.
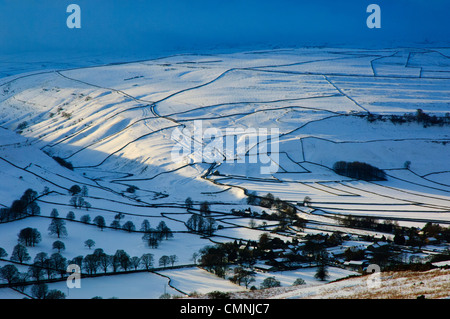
(179, 25)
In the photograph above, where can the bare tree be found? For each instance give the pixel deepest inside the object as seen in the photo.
(100, 222)
(307, 201)
(49, 267)
(74, 190)
(70, 215)
(54, 213)
(189, 204)
(84, 191)
(89, 243)
(173, 259)
(59, 245)
(9, 273)
(147, 260)
(129, 226)
(20, 253)
(244, 276)
(115, 224)
(39, 291)
(164, 231)
(91, 263)
(145, 226)
(135, 262)
(205, 209)
(123, 259)
(195, 256)
(57, 227)
(55, 294)
(40, 258)
(36, 271)
(104, 261)
(270, 282)
(151, 238)
(59, 263)
(164, 261)
(85, 219)
(3, 253)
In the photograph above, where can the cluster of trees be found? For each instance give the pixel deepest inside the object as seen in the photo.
(25, 206)
(153, 236)
(419, 237)
(369, 222)
(385, 255)
(165, 260)
(436, 231)
(243, 275)
(215, 259)
(359, 170)
(205, 207)
(11, 274)
(407, 236)
(206, 225)
(41, 291)
(247, 276)
(201, 223)
(269, 201)
(29, 237)
(22, 125)
(352, 253)
(286, 213)
(419, 117)
(99, 260)
(46, 267)
(270, 282)
(63, 162)
(77, 200)
(42, 266)
(86, 219)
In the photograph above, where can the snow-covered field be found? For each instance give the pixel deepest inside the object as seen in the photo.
(114, 124)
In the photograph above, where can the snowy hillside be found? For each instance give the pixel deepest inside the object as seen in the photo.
(433, 284)
(112, 130)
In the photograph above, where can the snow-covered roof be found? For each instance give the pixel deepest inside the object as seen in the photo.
(355, 262)
(263, 266)
(379, 244)
(442, 263)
